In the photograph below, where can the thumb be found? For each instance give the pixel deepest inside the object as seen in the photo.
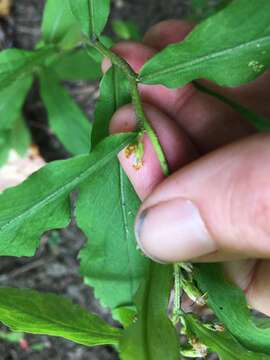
(215, 209)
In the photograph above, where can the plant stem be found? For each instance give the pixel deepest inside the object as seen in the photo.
(177, 294)
(115, 60)
(146, 126)
(137, 103)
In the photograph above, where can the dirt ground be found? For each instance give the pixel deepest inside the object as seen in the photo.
(55, 267)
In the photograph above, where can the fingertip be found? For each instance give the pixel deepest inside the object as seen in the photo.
(124, 120)
(173, 231)
(233, 205)
(143, 178)
(167, 32)
(177, 147)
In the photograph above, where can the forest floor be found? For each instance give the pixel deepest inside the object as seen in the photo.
(55, 267)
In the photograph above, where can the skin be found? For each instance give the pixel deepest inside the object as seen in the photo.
(218, 162)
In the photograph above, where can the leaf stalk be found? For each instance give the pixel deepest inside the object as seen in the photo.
(144, 124)
(177, 311)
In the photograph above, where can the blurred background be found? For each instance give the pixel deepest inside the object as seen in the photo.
(55, 267)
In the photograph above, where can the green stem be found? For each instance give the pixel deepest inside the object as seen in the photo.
(115, 60)
(146, 126)
(177, 312)
(137, 103)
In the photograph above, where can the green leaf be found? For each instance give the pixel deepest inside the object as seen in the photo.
(66, 119)
(59, 25)
(42, 202)
(94, 54)
(92, 15)
(229, 304)
(105, 212)
(4, 146)
(126, 315)
(20, 138)
(126, 30)
(106, 41)
(153, 336)
(229, 48)
(12, 98)
(220, 342)
(260, 122)
(114, 93)
(17, 65)
(32, 312)
(76, 65)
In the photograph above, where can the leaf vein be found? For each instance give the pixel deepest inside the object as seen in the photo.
(58, 192)
(186, 65)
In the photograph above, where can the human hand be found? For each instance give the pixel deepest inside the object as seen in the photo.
(216, 204)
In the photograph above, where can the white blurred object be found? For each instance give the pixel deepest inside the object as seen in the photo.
(17, 168)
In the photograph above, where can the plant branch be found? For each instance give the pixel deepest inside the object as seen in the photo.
(177, 312)
(115, 60)
(146, 126)
(136, 100)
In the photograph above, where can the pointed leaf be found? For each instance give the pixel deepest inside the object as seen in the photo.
(12, 99)
(32, 312)
(106, 211)
(114, 93)
(20, 138)
(66, 119)
(229, 304)
(76, 65)
(229, 48)
(42, 201)
(92, 15)
(18, 64)
(59, 25)
(110, 261)
(153, 336)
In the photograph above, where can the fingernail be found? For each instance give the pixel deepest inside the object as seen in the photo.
(173, 231)
(138, 232)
